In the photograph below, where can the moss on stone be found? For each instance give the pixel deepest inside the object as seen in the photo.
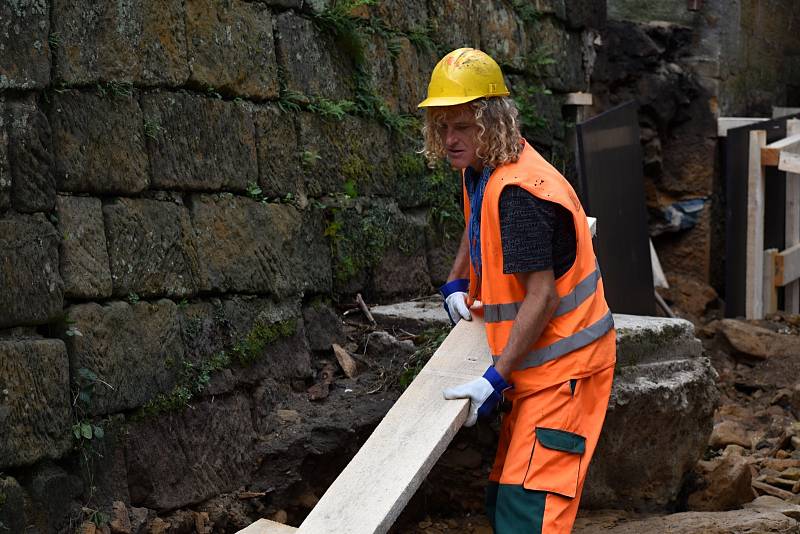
(195, 378)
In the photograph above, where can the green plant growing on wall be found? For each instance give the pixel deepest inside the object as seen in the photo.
(528, 112)
(54, 40)
(525, 10)
(152, 128)
(309, 158)
(335, 109)
(115, 89)
(133, 297)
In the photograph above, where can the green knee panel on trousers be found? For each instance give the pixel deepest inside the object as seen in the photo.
(513, 509)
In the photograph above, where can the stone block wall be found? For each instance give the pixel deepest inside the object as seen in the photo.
(181, 184)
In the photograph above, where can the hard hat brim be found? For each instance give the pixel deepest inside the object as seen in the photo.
(436, 101)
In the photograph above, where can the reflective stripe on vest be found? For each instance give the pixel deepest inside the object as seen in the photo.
(496, 313)
(578, 340)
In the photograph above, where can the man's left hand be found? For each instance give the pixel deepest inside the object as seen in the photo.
(484, 393)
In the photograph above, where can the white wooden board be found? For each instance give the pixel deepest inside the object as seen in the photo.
(376, 485)
(727, 123)
(788, 266)
(754, 304)
(791, 291)
(778, 112)
(659, 279)
(789, 162)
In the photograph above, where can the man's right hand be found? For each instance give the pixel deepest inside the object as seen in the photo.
(455, 300)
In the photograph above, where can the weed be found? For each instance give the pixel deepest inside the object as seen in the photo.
(54, 40)
(309, 158)
(152, 128)
(526, 105)
(133, 297)
(335, 109)
(254, 191)
(537, 61)
(290, 100)
(115, 89)
(183, 303)
(350, 189)
(525, 10)
(213, 93)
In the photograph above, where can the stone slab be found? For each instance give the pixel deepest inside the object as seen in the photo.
(642, 339)
(231, 47)
(657, 426)
(549, 39)
(152, 248)
(279, 156)
(238, 254)
(199, 143)
(136, 348)
(25, 57)
(454, 23)
(35, 409)
(84, 262)
(178, 459)
(413, 67)
(30, 156)
(503, 33)
(99, 143)
(354, 151)
(117, 40)
(310, 60)
(5, 169)
(31, 289)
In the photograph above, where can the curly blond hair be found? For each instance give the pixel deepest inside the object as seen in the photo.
(499, 139)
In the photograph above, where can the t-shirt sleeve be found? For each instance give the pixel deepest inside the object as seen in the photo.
(527, 224)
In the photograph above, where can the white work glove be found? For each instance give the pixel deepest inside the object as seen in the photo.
(484, 394)
(455, 300)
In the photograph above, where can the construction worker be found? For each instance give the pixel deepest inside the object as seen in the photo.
(526, 264)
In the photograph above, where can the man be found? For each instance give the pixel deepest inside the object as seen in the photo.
(527, 265)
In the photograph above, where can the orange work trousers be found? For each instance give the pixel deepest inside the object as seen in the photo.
(546, 444)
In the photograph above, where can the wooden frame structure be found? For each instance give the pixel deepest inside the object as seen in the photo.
(768, 270)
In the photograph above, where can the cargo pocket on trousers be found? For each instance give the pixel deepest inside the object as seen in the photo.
(555, 462)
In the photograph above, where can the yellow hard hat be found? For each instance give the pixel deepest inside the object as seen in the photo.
(464, 75)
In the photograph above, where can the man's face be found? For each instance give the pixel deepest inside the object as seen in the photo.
(459, 133)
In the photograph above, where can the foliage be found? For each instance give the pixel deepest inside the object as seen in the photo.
(152, 128)
(115, 89)
(525, 10)
(528, 112)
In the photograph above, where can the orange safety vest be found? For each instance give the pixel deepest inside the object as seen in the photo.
(580, 339)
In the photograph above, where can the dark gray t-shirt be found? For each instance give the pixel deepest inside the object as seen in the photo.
(536, 234)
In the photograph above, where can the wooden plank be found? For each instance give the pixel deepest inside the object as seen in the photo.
(791, 292)
(265, 526)
(659, 279)
(770, 155)
(787, 266)
(770, 290)
(778, 112)
(376, 485)
(755, 228)
(727, 123)
(578, 99)
(789, 162)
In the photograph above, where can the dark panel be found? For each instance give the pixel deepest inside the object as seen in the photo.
(736, 154)
(612, 189)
